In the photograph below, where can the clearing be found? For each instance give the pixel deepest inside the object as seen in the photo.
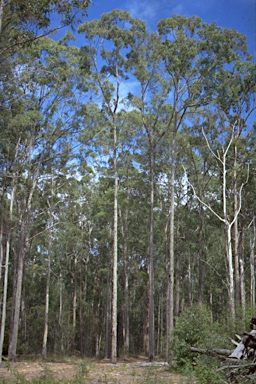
(126, 371)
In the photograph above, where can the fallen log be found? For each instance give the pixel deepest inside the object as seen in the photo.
(233, 341)
(238, 366)
(238, 352)
(218, 352)
(154, 364)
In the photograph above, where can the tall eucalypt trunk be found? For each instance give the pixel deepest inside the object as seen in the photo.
(24, 243)
(7, 257)
(114, 277)
(170, 264)
(1, 14)
(151, 264)
(252, 266)
(48, 275)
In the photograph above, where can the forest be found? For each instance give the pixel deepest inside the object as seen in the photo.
(127, 180)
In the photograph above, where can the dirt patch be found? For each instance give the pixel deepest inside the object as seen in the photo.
(93, 372)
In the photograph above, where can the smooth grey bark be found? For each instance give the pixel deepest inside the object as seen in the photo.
(7, 257)
(114, 271)
(48, 279)
(126, 312)
(252, 266)
(47, 295)
(108, 320)
(238, 292)
(61, 311)
(170, 281)
(74, 305)
(242, 276)
(151, 264)
(2, 4)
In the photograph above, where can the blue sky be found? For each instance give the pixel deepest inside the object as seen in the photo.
(232, 14)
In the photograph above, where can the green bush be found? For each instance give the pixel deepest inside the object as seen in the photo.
(194, 328)
(208, 375)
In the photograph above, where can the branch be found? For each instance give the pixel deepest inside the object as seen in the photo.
(204, 204)
(240, 198)
(209, 147)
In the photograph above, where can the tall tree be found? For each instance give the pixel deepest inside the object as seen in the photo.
(193, 53)
(35, 125)
(114, 28)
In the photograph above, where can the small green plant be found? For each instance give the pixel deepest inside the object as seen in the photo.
(206, 375)
(82, 373)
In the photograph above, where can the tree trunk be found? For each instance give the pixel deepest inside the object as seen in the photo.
(114, 271)
(229, 254)
(177, 288)
(126, 314)
(74, 306)
(46, 316)
(23, 249)
(242, 276)
(2, 3)
(126, 303)
(170, 282)
(108, 321)
(236, 235)
(7, 256)
(231, 293)
(61, 312)
(252, 267)
(151, 264)
(17, 304)
(200, 258)
(81, 323)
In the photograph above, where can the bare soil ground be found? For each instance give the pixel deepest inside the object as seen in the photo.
(130, 371)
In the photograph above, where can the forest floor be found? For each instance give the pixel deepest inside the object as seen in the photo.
(126, 371)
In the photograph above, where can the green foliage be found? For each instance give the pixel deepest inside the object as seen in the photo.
(193, 329)
(207, 374)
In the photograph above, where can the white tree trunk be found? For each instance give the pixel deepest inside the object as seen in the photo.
(114, 272)
(7, 256)
(46, 319)
(252, 267)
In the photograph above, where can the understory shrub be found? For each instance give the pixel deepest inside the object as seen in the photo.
(194, 328)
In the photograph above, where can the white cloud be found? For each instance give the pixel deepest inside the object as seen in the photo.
(179, 9)
(145, 9)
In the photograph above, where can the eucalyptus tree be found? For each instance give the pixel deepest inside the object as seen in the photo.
(152, 116)
(22, 22)
(222, 157)
(108, 41)
(37, 119)
(193, 54)
(235, 99)
(233, 105)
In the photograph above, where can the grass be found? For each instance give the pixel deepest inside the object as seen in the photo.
(86, 371)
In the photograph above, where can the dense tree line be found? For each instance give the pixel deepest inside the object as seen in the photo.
(127, 179)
